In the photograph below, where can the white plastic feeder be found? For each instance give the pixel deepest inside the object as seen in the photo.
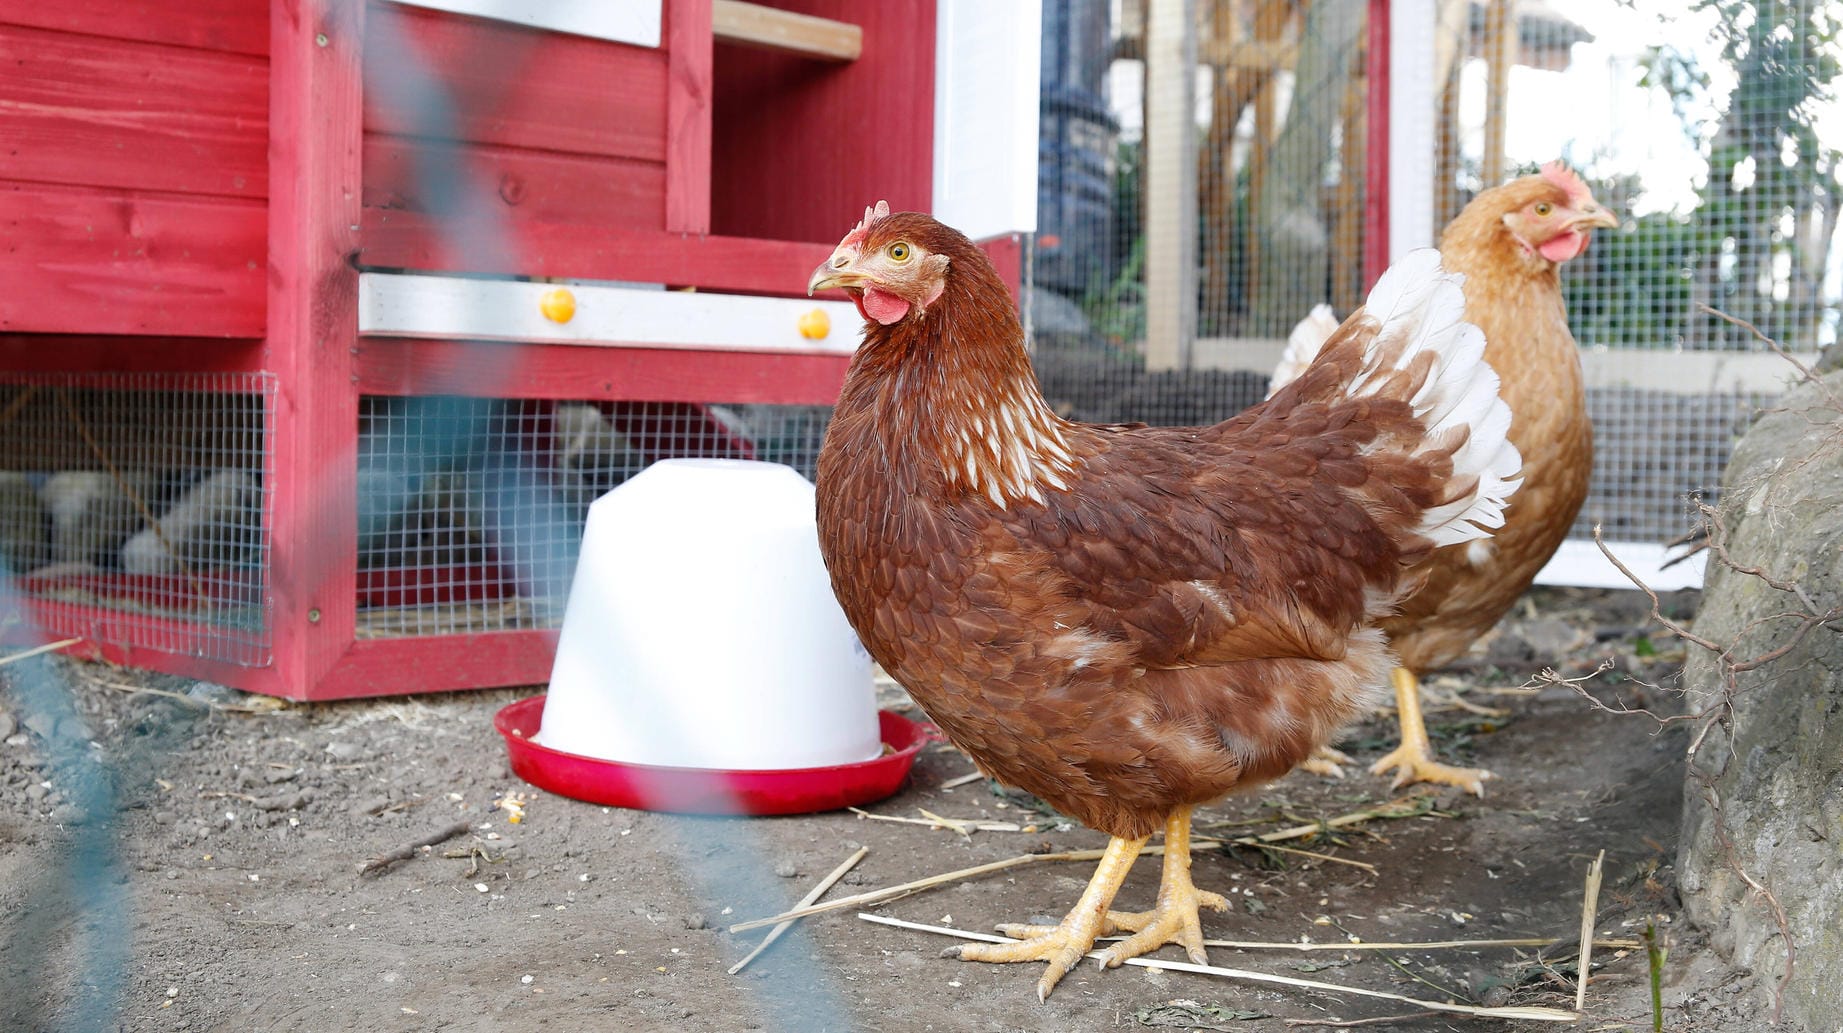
(702, 631)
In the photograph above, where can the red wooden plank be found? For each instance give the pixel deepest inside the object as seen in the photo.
(314, 183)
(1007, 254)
(65, 353)
(109, 635)
(402, 366)
(80, 261)
(410, 240)
(801, 146)
(1376, 149)
(515, 86)
(85, 111)
(518, 186)
(237, 26)
(440, 663)
(688, 115)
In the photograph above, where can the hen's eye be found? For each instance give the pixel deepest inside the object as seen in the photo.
(1543, 208)
(899, 252)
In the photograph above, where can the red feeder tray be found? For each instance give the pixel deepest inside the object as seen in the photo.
(707, 791)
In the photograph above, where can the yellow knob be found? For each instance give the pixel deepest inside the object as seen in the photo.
(558, 306)
(815, 325)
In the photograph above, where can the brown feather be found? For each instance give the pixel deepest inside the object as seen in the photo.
(1141, 618)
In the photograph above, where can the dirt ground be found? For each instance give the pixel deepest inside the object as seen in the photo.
(218, 887)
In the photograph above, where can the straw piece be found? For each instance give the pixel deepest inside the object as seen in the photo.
(1535, 1014)
(36, 650)
(814, 894)
(960, 780)
(1393, 809)
(1589, 911)
(1366, 945)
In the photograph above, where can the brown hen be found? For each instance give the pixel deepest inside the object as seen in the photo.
(1508, 243)
(1131, 621)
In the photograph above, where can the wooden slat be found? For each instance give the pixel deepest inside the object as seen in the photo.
(518, 186)
(400, 366)
(798, 149)
(688, 116)
(515, 87)
(109, 636)
(314, 185)
(757, 25)
(440, 663)
(410, 240)
(85, 262)
(86, 111)
(88, 353)
(235, 26)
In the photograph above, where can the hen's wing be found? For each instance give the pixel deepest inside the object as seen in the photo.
(1277, 533)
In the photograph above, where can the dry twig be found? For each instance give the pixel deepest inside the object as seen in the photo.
(408, 850)
(814, 894)
(1590, 909)
(48, 647)
(1535, 1014)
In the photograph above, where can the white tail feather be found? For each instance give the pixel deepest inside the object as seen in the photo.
(1419, 301)
(1302, 346)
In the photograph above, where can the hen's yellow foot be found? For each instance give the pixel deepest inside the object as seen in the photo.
(1065, 944)
(1413, 760)
(1327, 761)
(1412, 764)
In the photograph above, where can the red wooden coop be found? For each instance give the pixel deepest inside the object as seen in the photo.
(321, 321)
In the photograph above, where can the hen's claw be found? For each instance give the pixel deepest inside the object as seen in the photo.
(1174, 920)
(1327, 761)
(1063, 945)
(1411, 764)
(1413, 760)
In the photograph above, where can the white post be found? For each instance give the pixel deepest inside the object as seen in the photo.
(1413, 139)
(1170, 184)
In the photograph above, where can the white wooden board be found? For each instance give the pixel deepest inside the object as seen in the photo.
(404, 305)
(986, 85)
(623, 21)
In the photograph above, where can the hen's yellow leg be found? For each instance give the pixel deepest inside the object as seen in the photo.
(1174, 918)
(1064, 945)
(1413, 759)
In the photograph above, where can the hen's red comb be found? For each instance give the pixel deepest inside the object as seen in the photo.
(871, 217)
(1568, 180)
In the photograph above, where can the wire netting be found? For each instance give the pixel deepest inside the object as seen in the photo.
(471, 509)
(1709, 126)
(134, 508)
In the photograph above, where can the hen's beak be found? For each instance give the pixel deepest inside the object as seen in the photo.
(835, 272)
(1592, 216)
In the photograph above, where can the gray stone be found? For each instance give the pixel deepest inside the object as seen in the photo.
(7, 725)
(1765, 789)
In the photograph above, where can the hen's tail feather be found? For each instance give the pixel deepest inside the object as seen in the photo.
(1302, 346)
(1417, 344)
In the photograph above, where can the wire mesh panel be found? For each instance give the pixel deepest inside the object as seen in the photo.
(143, 500)
(471, 510)
(1712, 127)
(1201, 189)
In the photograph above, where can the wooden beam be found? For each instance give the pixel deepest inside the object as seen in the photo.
(756, 25)
(1500, 53)
(315, 126)
(1170, 185)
